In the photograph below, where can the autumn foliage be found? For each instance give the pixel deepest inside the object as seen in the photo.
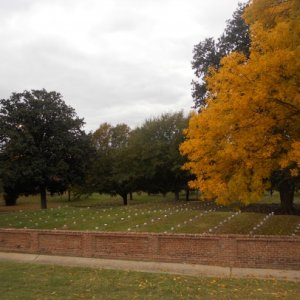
(247, 138)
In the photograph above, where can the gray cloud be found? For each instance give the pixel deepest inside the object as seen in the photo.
(118, 61)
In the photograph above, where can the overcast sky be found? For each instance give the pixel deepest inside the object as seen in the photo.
(116, 61)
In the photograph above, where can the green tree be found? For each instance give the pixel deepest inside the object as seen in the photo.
(157, 162)
(208, 53)
(110, 170)
(42, 145)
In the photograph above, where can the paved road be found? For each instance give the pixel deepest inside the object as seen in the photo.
(153, 267)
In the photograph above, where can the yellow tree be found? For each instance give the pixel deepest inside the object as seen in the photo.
(247, 138)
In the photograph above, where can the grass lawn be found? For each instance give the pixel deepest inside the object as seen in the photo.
(29, 281)
(149, 214)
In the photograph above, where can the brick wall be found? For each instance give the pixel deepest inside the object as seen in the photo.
(274, 252)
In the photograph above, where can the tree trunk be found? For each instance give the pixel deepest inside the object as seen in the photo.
(43, 197)
(124, 197)
(187, 194)
(130, 196)
(69, 194)
(286, 191)
(10, 198)
(176, 195)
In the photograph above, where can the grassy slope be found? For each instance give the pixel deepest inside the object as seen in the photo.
(148, 214)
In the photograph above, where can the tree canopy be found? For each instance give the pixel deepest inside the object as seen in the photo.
(208, 53)
(247, 138)
(157, 166)
(110, 171)
(42, 145)
(144, 159)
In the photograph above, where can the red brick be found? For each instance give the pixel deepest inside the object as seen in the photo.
(280, 252)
